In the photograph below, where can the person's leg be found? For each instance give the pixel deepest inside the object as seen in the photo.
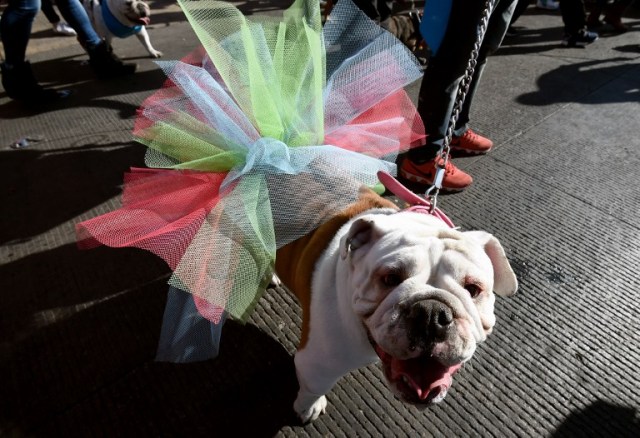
(597, 8)
(59, 27)
(496, 30)
(75, 14)
(613, 14)
(521, 6)
(15, 29)
(17, 77)
(437, 96)
(443, 75)
(101, 58)
(49, 12)
(439, 88)
(574, 17)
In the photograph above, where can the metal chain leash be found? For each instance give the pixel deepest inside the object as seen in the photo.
(463, 88)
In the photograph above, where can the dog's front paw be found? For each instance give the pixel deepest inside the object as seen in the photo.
(311, 412)
(156, 54)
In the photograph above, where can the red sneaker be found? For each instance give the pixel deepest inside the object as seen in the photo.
(471, 143)
(454, 179)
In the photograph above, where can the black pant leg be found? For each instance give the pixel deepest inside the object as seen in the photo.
(574, 15)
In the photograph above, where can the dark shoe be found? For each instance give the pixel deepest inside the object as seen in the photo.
(107, 65)
(580, 39)
(20, 84)
(454, 179)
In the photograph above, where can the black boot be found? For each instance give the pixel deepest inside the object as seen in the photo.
(106, 64)
(20, 84)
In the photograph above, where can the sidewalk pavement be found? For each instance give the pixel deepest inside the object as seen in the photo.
(560, 190)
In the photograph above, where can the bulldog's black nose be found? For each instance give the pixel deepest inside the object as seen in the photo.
(429, 321)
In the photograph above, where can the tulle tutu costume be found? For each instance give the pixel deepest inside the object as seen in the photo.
(257, 138)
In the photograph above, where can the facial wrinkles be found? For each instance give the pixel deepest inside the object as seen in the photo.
(364, 301)
(416, 259)
(384, 256)
(389, 305)
(367, 292)
(413, 262)
(451, 277)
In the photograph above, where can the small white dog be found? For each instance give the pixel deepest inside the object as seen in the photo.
(121, 19)
(400, 287)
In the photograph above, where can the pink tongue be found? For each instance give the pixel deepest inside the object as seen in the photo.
(144, 21)
(424, 375)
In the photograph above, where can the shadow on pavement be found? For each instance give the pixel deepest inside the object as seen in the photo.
(629, 48)
(600, 419)
(565, 82)
(54, 186)
(528, 41)
(87, 91)
(80, 330)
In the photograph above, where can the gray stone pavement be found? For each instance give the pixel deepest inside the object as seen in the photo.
(78, 330)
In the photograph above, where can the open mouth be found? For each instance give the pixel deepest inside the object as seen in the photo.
(137, 19)
(423, 380)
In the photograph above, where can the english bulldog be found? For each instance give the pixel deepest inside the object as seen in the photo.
(379, 284)
(121, 19)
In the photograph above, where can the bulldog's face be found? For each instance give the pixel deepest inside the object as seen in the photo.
(136, 11)
(425, 294)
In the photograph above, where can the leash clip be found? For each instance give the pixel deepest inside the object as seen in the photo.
(432, 192)
(417, 203)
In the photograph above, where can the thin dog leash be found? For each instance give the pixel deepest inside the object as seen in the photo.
(431, 195)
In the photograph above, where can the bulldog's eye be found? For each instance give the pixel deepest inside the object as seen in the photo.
(473, 289)
(391, 279)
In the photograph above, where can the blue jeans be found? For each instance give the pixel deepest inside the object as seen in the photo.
(17, 19)
(75, 14)
(15, 28)
(445, 71)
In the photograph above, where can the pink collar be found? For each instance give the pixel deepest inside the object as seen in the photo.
(416, 203)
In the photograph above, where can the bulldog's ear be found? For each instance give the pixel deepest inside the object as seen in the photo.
(359, 234)
(505, 282)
